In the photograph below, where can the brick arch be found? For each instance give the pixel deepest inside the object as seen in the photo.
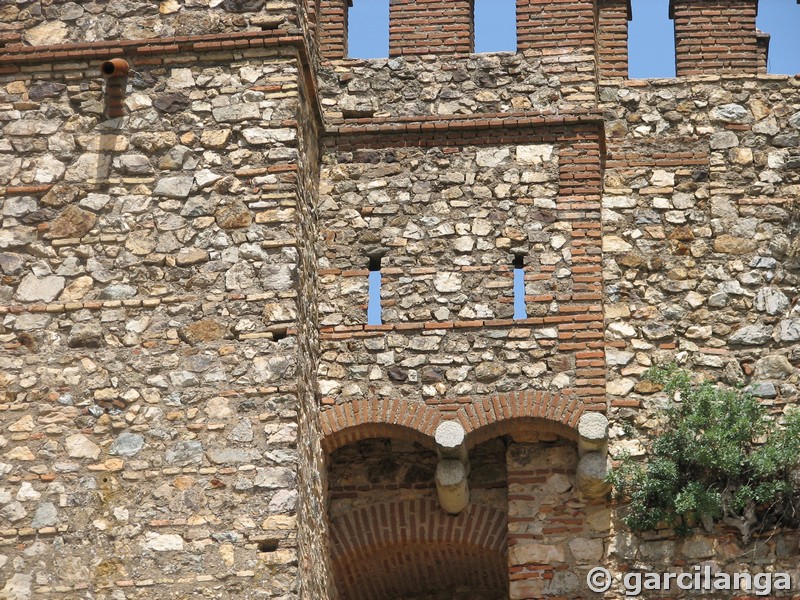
(409, 547)
(552, 412)
(362, 419)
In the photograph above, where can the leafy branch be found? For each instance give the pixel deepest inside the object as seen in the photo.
(716, 458)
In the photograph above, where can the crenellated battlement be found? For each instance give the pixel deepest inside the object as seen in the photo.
(710, 35)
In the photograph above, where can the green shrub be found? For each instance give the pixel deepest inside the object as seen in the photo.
(716, 457)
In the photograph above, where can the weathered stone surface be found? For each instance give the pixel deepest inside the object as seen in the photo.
(239, 6)
(590, 477)
(730, 113)
(728, 244)
(190, 256)
(89, 167)
(492, 157)
(488, 371)
(79, 446)
(234, 216)
(205, 330)
(616, 244)
(60, 195)
(215, 138)
(794, 120)
(46, 33)
(11, 264)
(447, 282)
(95, 202)
(698, 547)
(724, 139)
(277, 277)
(77, 289)
(44, 289)
(762, 389)
(258, 136)
(18, 587)
(789, 330)
(171, 102)
(662, 178)
(26, 423)
(127, 444)
(657, 331)
(536, 553)
(118, 292)
(752, 335)
(243, 432)
(163, 542)
(593, 427)
(174, 187)
(223, 456)
(19, 206)
(586, 550)
(45, 516)
(85, 335)
(271, 369)
(185, 453)
(773, 366)
(274, 478)
(141, 243)
(73, 222)
(205, 178)
(771, 301)
(134, 164)
(236, 113)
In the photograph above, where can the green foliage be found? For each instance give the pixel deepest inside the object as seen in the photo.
(716, 458)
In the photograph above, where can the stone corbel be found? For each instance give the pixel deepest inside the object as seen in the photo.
(452, 472)
(593, 451)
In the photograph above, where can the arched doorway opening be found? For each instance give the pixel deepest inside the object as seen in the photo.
(390, 538)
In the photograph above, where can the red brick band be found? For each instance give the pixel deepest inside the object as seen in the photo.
(482, 418)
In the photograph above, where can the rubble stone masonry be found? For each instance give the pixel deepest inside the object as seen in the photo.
(192, 403)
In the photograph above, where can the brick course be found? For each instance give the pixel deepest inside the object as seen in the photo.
(716, 35)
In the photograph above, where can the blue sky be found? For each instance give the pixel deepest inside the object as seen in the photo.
(652, 47)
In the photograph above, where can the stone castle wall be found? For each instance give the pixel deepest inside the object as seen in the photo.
(191, 400)
(158, 366)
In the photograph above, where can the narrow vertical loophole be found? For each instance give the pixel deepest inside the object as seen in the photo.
(374, 306)
(520, 311)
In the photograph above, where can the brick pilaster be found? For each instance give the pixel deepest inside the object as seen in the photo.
(612, 37)
(716, 35)
(430, 27)
(333, 28)
(548, 24)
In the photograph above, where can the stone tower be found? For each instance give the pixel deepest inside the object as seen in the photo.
(194, 192)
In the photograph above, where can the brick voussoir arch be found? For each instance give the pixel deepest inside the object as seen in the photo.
(421, 521)
(362, 419)
(554, 412)
(483, 418)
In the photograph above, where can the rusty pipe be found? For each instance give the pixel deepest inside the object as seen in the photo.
(114, 68)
